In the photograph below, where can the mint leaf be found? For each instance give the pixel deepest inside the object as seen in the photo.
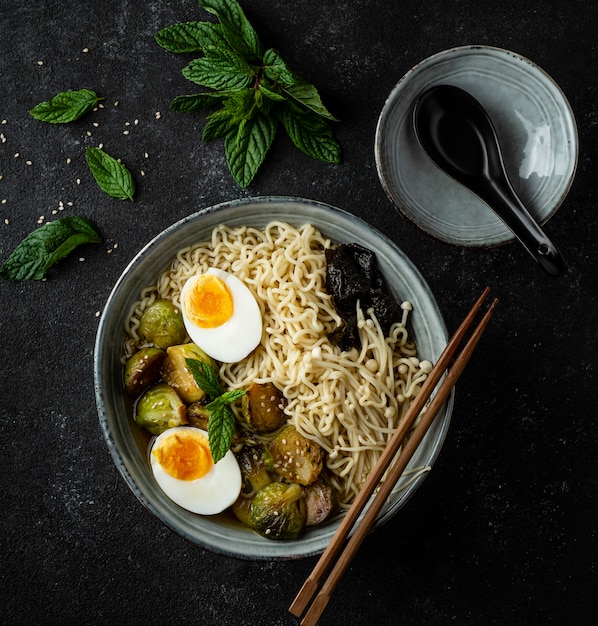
(228, 397)
(220, 69)
(277, 70)
(197, 101)
(221, 429)
(236, 27)
(270, 93)
(311, 134)
(190, 36)
(222, 423)
(294, 85)
(219, 123)
(246, 148)
(205, 377)
(46, 245)
(111, 175)
(308, 96)
(66, 106)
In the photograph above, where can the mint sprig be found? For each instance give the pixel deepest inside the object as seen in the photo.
(221, 425)
(46, 245)
(66, 106)
(254, 91)
(111, 175)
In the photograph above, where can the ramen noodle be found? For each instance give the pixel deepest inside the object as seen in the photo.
(350, 403)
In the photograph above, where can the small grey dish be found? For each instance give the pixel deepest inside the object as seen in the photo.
(536, 131)
(223, 533)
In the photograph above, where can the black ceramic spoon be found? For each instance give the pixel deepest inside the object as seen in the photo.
(456, 132)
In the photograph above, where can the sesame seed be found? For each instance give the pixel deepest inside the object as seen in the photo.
(70, 203)
(40, 62)
(125, 132)
(136, 122)
(95, 124)
(54, 211)
(81, 258)
(28, 162)
(158, 115)
(5, 121)
(97, 314)
(116, 103)
(127, 123)
(6, 221)
(3, 200)
(101, 146)
(17, 155)
(100, 106)
(68, 161)
(146, 155)
(89, 133)
(85, 50)
(78, 181)
(142, 173)
(115, 245)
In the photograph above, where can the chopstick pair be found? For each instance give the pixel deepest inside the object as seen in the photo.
(335, 547)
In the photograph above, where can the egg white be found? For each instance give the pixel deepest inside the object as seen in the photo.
(240, 334)
(212, 493)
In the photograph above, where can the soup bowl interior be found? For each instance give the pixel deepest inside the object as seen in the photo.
(223, 533)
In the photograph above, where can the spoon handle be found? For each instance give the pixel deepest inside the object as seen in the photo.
(506, 204)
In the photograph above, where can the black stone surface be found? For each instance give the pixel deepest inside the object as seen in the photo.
(503, 530)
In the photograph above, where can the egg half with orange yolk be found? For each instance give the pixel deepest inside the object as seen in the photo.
(184, 469)
(221, 315)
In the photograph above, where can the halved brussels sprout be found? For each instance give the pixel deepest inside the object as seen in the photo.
(162, 325)
(295, 457)
(176, 373)
(263, 408)
(159, 409)
(143, 370)
(278, 511)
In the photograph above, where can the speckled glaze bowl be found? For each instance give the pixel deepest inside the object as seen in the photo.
(535, 127)
(223, 533)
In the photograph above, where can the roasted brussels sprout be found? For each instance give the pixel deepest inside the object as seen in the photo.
(255, 476)
(295, 457)
(321, 501)
(176, 373)
(242, 510)
(263, 408)
(160, 408)
(198, 415)
(143, 370)
(162, 325)
(278, 511)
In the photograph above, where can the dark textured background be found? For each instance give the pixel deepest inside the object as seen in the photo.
(503, 529)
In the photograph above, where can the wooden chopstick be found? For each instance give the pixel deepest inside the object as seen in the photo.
(312, 583)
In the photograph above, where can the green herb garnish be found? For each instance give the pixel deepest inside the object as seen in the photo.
(111, 175)
(46, 245)
(221, 425)
(67, 106)
(254, 89)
